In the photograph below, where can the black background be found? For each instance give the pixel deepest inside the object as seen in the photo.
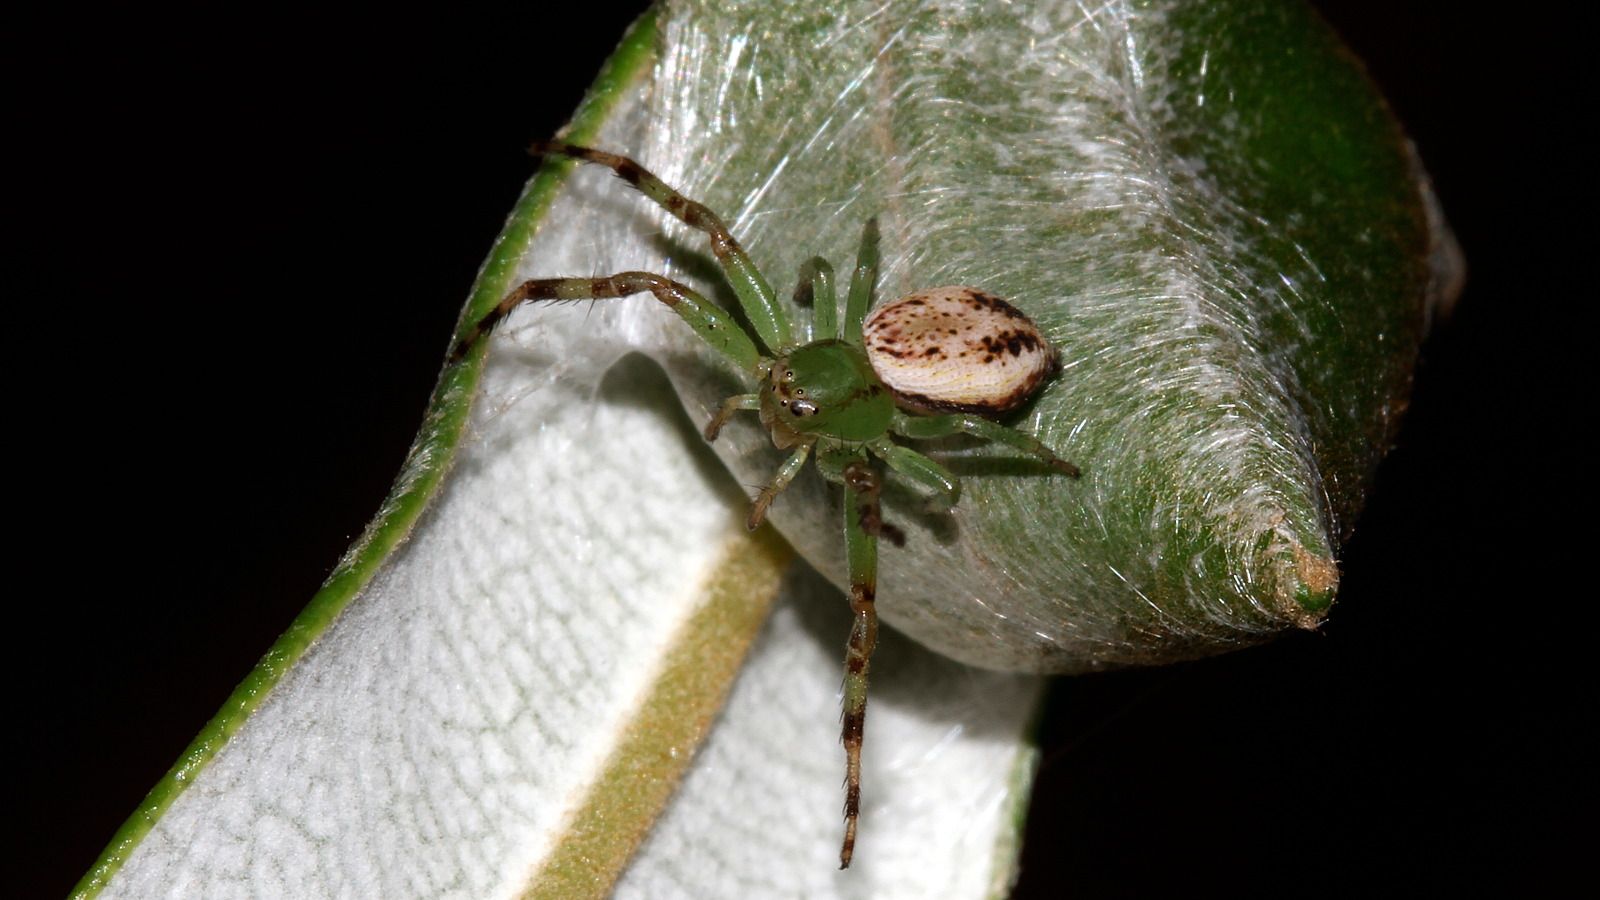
(246, 243)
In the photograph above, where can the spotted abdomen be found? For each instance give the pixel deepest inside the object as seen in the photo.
(957, 349)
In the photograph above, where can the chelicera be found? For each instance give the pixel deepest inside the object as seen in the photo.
(933, 363)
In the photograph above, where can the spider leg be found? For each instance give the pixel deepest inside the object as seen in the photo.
(736, 403)
(862, 522)
(816, 290)
(918, 468)
(714, 326)
(940, 426)
(862, 281)
(755, 295)
(786, 473)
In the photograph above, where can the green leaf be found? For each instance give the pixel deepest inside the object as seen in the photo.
(1204, 205)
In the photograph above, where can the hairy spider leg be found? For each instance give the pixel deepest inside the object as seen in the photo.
(714, 326)
(863, 522)
(913, 465)
(786, 473)
(736, 403)
(941, 426)
(816, 290)
(755, 295)
(862, 282)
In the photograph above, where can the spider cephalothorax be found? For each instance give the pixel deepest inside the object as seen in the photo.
(825, 389)
(933, 363)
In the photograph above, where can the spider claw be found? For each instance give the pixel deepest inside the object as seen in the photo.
(892, 534)
(758, 511)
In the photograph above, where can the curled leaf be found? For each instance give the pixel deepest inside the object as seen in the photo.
(1205, 206)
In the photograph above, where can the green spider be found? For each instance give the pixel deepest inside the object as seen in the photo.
(931, 364)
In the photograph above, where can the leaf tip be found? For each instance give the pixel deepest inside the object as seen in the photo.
(1309, 586)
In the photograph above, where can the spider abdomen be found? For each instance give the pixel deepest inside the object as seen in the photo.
(957, 349)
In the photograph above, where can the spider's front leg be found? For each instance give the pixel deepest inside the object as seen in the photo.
(755, 295)
(714, 326)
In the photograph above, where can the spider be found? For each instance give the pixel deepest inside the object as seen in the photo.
(933, 363)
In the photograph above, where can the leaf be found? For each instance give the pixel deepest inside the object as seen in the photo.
(1205, 206)
(499, 687)
(1207, 209)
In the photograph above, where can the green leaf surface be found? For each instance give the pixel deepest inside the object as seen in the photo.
(1206, 208)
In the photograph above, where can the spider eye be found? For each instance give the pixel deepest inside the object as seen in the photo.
(803, 408)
